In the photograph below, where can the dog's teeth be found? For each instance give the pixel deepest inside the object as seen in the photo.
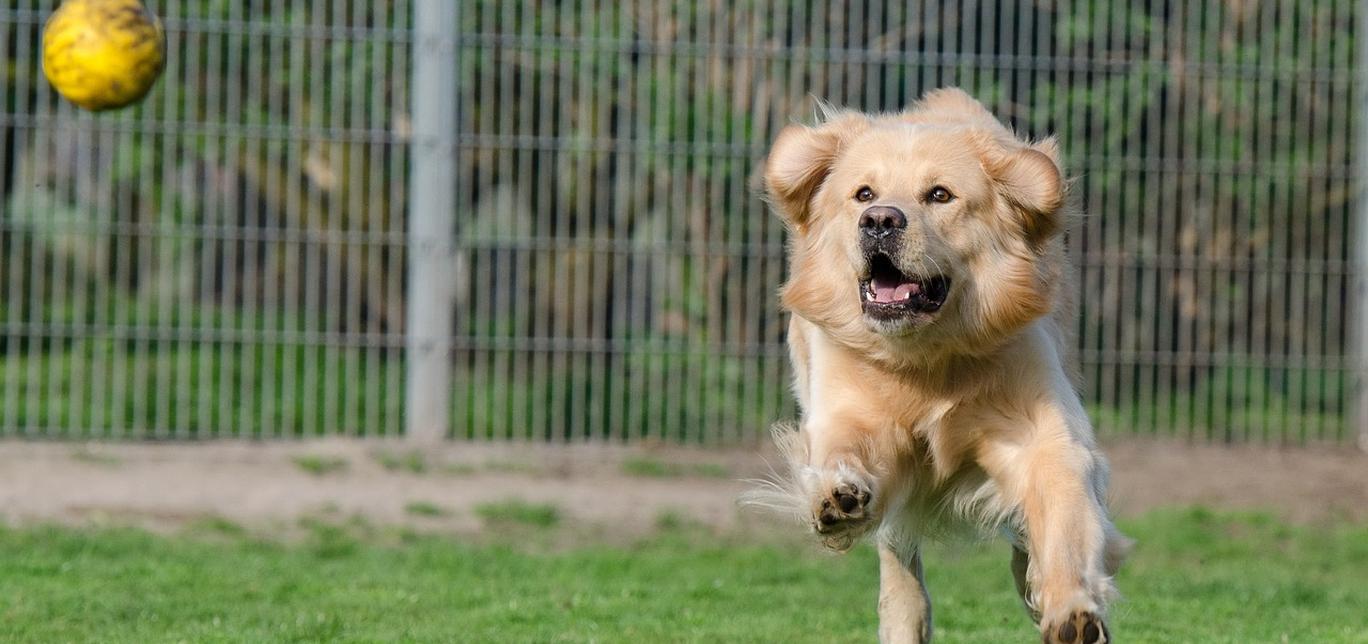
(869, 295)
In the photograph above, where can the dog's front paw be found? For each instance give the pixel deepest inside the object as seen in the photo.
(1081, 627)
(843, 511)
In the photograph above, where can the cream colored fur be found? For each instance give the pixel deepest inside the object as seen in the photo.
(964, 418)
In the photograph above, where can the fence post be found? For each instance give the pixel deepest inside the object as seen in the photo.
(431, 217)
(1359, 350)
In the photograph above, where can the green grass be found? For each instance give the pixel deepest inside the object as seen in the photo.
(425, 509)
(166, 389)
(412, 461)
(649, 467)
(159, 389)
(320, 465)
(1196, 577)
(85, 454)
(510, 467)
(459, 469)
(537, 515)
(200, 392)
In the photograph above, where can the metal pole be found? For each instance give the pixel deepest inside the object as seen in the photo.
(1360, 304)
(431, 228)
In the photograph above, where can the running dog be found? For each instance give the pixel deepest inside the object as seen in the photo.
(929, 299)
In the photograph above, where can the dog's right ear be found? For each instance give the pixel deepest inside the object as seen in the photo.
(800, 161)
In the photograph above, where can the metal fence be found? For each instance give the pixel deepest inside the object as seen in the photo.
(537, 220)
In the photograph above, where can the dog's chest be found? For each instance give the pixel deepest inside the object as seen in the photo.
(936, 428)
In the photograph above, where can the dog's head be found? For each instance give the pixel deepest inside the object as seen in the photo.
(918, 235)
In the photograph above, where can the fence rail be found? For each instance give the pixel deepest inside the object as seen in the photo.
(290, 237)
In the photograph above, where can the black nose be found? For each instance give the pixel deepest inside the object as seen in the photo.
(882, 221)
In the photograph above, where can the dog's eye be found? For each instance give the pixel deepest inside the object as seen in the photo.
(864, 194)
(939, 194)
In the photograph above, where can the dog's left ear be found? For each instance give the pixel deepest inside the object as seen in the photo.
(1028, 177)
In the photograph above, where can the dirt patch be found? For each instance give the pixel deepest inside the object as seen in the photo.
(1310, 484)
(607, 489)
(449, 488)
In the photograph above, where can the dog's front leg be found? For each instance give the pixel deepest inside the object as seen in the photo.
(838, 482)
(904, 605)
(1054, 477)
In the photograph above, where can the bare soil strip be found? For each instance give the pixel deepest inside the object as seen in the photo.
(612, 489)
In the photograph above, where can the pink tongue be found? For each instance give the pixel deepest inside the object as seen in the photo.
(893, 292)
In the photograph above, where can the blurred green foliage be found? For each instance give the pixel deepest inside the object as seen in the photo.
(614, 271)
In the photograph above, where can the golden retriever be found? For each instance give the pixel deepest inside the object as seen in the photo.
(929, 294)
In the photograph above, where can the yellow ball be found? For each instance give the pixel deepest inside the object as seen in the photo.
(102, 54)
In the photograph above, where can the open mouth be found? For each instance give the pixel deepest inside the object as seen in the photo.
(890, 293)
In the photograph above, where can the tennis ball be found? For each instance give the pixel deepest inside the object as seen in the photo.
(102, 54)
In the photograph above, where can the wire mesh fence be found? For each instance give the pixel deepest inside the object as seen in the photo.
(230, 257)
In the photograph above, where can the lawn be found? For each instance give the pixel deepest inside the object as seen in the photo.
(1197, 577)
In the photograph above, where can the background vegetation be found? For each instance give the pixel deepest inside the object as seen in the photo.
(237, 242)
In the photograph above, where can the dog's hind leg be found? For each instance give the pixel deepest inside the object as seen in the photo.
(904, 605)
